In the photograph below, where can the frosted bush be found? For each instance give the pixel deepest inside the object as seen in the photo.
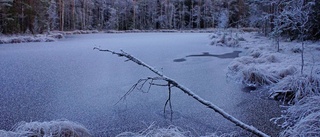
(60, 128)
(293, 88)
(225, 40)
(23, 39)
(290, 70)
(301, 119)
(248, 71)
(271, 58)
(256, 53)
(253, 76)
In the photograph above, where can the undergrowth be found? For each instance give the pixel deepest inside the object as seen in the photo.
(301, 119)
(171, 131)
(59, 128)
(294, 88)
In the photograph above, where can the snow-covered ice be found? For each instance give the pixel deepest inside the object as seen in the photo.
(67, 79)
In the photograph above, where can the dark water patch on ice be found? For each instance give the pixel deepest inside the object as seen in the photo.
(180, 60)
(231, 55)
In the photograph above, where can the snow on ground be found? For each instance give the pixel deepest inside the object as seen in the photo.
(280, 73)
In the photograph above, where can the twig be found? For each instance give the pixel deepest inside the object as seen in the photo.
(168, 101)
(190, 93)
(143, 81)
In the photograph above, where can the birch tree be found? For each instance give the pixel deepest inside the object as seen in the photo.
(296, 18)
(52, 15)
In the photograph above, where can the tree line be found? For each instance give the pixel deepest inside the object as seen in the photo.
(41, 16)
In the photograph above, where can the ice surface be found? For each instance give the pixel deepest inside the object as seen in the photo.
(67, 79)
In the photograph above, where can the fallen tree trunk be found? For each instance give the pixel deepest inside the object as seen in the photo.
(174, 83)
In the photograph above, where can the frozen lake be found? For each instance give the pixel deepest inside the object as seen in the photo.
(69, 80)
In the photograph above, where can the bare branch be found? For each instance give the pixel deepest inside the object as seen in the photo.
(135, 86)
(133, 59)
(168, 101)
(172, 82)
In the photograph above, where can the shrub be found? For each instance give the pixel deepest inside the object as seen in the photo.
(225, 41)
(253, 76)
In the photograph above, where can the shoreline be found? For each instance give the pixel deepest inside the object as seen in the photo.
(56, 35)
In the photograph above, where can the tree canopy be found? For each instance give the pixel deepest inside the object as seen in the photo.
(40, 16)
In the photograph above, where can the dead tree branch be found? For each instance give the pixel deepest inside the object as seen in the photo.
(173, 83)
(168, 101)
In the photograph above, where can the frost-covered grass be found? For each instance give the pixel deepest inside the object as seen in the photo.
(225, 40)
(294, 88)
(171, 131)
(27, 38)
(59, 128)
(280, 72)
(50, 37)
(258, 77)
(258, 68)
(262, 65)
(152, 131)
(64, 128)
(301, 119)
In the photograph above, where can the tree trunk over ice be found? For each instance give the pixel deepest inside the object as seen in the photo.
(189, 92)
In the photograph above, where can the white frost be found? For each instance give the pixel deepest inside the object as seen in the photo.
(60, 128)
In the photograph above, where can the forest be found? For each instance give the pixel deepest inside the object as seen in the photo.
(274, 56)
(273, 17)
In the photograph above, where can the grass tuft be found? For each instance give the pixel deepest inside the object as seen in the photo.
(59, 128)
(301, 119)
